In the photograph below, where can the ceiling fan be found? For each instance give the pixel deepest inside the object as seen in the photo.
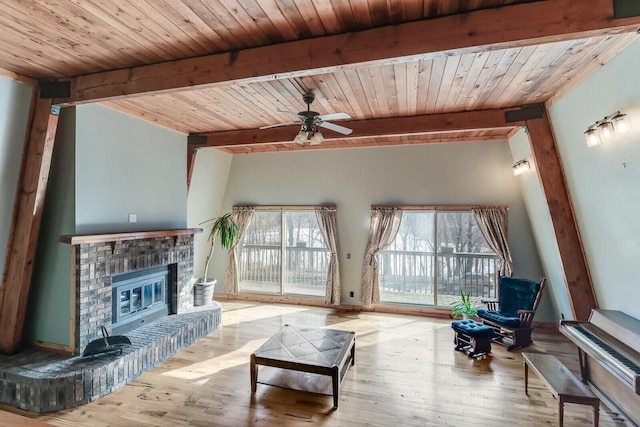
(311, 121)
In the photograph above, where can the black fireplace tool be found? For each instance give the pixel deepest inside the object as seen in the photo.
(106, 344)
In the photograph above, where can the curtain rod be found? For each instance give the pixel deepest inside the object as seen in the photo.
(438, 207)
(285, 207)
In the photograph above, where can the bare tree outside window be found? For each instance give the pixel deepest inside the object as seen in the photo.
(436, 255)
(304, 254)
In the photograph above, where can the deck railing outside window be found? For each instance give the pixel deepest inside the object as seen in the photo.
(405, 276)
(305, 269)
(409, 276)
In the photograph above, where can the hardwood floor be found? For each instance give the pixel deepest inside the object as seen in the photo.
(406, 374)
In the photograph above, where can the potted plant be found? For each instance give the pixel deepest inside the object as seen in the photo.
(464, 307)
(226, 229)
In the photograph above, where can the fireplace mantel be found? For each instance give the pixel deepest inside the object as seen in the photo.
(78, 239)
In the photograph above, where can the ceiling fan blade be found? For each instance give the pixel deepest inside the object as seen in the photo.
(336, 128)
(333, 116)
(291, 113)
(278, 125)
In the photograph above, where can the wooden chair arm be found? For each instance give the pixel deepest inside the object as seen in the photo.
(526, 318)
(492, 303)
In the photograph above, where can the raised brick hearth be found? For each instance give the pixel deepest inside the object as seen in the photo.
(43, 381)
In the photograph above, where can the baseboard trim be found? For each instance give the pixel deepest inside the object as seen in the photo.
(318, 302)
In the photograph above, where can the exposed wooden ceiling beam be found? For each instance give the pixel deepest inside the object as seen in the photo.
(336, 144)
(481, 30)
(18, 77)
(400, 126)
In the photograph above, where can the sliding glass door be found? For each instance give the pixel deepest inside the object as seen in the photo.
(283, 252)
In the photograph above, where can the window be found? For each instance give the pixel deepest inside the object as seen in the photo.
(435, 255)
(284, 253)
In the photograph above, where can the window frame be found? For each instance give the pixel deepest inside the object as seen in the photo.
(283, 210)
(436, 209)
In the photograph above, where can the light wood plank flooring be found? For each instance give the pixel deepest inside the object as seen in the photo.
(406, 374)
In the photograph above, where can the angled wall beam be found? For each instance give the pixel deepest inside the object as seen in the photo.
(576, 272)
(193, 143)
(192, 152)
(476, 31)
(397, 126)
(25, 224)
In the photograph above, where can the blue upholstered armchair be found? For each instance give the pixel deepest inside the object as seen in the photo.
(511, 315)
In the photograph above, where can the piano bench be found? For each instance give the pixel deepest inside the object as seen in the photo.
(565, 386)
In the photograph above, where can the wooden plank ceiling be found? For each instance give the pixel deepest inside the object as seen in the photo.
(66, 38)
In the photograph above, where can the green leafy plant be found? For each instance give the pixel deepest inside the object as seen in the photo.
(464, 306)
(225, 227)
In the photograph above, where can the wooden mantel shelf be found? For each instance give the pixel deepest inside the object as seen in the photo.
(78, 239)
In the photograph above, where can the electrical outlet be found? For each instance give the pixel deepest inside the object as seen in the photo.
(351, 294)
(133, 217)
(349, 256)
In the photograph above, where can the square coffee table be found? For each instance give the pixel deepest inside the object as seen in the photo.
(305, 359)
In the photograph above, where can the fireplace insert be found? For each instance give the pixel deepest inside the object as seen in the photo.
(140, 296)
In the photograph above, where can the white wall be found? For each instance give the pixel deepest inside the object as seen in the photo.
(15, 99)
(208, 185)
(124, 166)
(604, 181)
(354, 179)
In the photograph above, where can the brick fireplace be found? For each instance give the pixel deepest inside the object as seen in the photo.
(97, 259)
(44, 381)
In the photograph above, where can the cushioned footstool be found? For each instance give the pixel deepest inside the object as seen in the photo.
(472, 337)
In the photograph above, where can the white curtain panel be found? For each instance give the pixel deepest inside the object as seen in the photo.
(242, 216)
(327, 220)
(492, 222)
(385, 222)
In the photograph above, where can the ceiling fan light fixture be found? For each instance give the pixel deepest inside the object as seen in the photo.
(311, 120)
(300, 138)
(316, 138)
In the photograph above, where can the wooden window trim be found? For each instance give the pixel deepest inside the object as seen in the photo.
(287, 207)
(438, 207)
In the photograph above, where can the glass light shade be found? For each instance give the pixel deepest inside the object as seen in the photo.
(521, 167)
(620, 123)
(606, 130)
(316, 139)
(592, 137)
(300, 138)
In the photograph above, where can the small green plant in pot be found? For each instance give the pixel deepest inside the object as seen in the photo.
(464, 307)
(226, 229)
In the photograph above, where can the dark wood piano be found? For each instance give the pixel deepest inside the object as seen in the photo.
(609, 352)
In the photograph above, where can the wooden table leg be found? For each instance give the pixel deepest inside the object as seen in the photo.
(526, 378)
(560, 411)
(254, 373)
(596, 414)
(335, 381)
(353, 353)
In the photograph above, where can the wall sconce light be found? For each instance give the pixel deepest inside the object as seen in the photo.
(592, 136)
(605, 129)
(521, 167)
(620, 122)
